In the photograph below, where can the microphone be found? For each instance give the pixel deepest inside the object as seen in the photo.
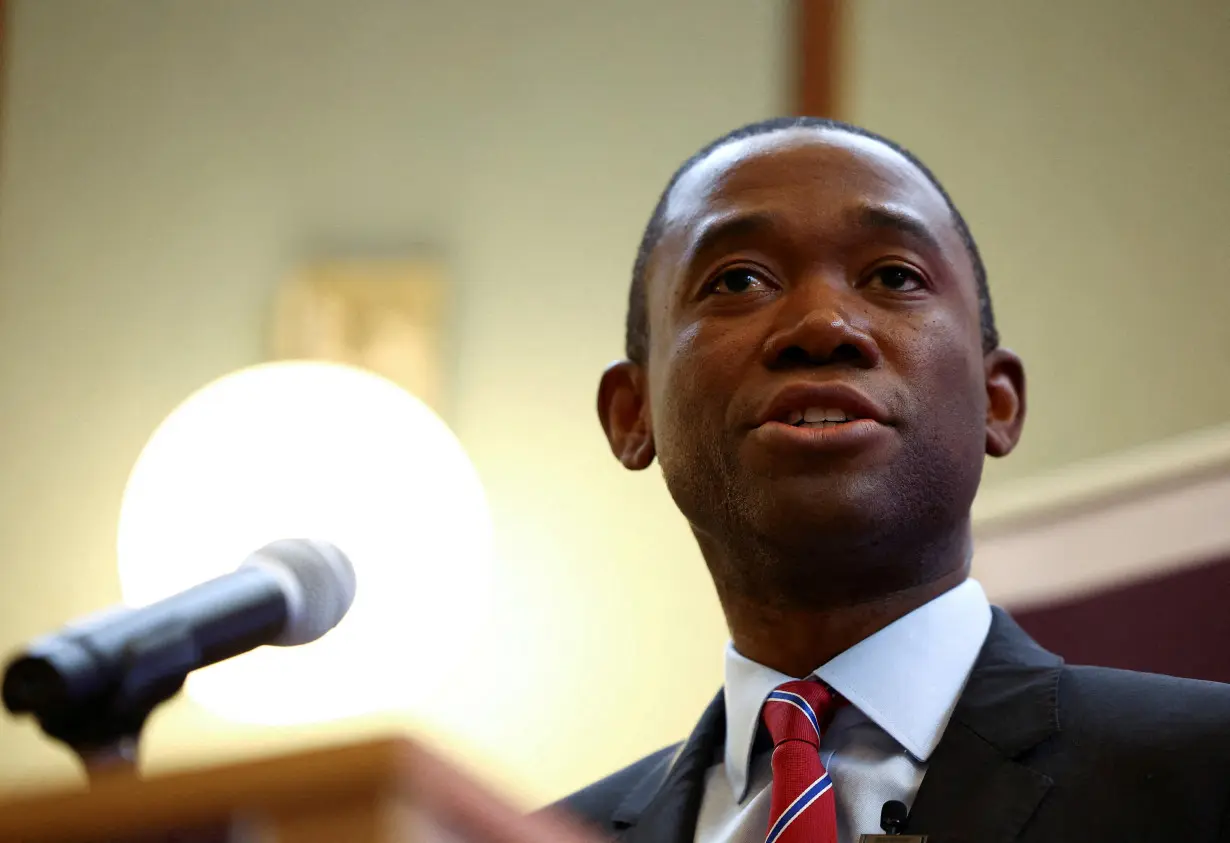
(103, 675)
(893, 816)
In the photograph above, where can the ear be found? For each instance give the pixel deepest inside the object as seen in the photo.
(1005, 377)
(623, 409)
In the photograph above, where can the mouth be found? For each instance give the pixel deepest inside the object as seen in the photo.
(827, 418)
(817, 417)
(808, 405)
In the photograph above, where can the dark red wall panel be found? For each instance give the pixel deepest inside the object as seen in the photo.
(1178, 624)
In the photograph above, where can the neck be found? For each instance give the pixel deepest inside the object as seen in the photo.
(794, 635)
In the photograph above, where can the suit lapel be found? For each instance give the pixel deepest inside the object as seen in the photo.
(664, 806)
(976, 788)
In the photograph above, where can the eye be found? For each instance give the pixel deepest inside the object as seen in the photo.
(898, 279)
(736, 281)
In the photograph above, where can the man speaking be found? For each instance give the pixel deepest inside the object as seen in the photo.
(813, 361)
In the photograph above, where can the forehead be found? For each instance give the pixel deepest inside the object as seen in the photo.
(805, 175)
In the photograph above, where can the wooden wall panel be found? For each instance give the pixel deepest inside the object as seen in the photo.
(818, 41)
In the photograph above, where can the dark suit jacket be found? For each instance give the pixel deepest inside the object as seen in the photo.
(1036, 751)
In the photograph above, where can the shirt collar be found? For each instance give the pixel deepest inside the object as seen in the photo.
(906, 678)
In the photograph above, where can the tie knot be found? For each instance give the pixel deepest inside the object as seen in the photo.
(795, 711)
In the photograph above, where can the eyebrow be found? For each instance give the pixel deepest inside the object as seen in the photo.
(749, 225)
(730, 227)
(896, 219)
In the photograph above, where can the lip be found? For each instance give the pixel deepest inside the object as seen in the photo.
(849, 437)
(834, 396)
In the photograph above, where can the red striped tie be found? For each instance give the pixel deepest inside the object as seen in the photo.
(803, 807)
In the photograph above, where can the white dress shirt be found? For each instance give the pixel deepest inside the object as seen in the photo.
(902, 683)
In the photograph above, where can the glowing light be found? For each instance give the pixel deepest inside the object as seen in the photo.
(329, 452)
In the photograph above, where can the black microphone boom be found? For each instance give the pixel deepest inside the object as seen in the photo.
(96, 681)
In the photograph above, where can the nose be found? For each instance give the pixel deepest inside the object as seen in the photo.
(815, 330)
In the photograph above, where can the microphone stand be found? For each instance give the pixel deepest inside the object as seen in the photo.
(103, 729)
(116, 760)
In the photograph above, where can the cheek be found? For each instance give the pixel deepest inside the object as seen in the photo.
(700, 366)
(943, 351)
(693, 380)
(944, 372)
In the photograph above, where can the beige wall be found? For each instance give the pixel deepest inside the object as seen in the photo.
(1088, 144)
(165, 163)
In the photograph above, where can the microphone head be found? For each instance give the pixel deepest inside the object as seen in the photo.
(893, 816)
(318, 581)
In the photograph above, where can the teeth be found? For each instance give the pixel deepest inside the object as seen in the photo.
(816, 417)
(821, 414)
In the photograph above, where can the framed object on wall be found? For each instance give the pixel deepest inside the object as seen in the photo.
(383, 316)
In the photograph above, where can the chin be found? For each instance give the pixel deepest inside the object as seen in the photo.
(822, 511)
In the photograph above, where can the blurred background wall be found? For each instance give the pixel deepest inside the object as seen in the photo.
(1087, 144)
(163, 165)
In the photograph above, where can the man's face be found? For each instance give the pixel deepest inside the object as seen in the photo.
(815, 366)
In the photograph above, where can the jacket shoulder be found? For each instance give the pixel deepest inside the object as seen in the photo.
(1151, 719)
(597, 804)
(1093, 695)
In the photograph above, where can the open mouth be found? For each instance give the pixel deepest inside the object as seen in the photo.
(835, 409)
(817, 417)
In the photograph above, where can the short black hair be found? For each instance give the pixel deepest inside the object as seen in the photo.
(637, 329)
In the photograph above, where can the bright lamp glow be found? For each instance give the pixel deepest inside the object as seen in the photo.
(328, 452)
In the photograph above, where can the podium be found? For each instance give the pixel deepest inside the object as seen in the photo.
(383, 791)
